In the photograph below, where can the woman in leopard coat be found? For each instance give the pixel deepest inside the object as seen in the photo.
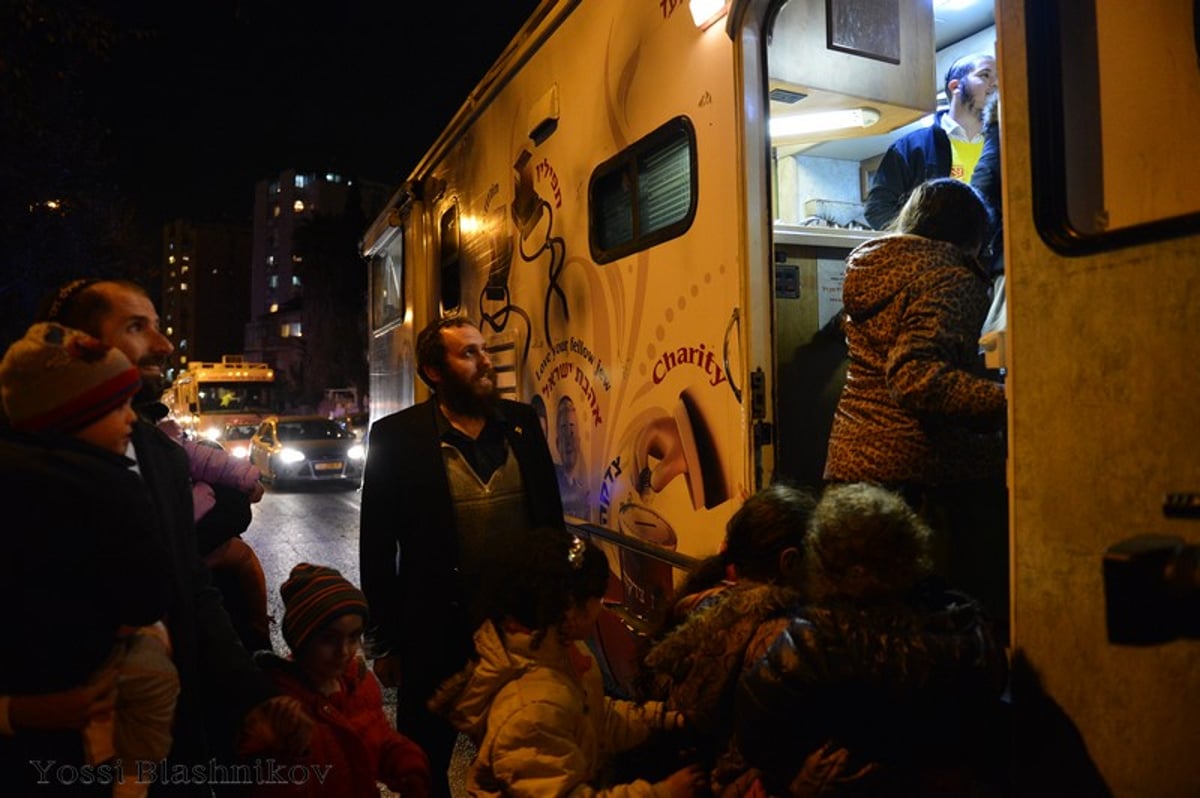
(918, 413)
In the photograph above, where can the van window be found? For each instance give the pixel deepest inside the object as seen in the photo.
(1094, 71)
(646, 194)
(387, 286)
(451, 269)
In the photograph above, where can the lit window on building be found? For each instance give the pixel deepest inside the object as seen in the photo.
(290, 330)
(273, 282)
(301, 181)
(332, 177)
(171, 258)
(184, 270)
(182, 345)
(295, 279)
(275, 211)
(170, 331)
(183, 286)
(270, 260)
(182, 359)
(298, 206)
(274, 307)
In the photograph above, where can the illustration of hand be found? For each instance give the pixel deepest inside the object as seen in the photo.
(660, 440)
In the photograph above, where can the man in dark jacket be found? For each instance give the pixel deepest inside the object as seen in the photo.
(949, 147)
(222, 691)
(445, 479)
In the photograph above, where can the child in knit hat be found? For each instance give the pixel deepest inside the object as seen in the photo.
(353, 746)
(87, 649)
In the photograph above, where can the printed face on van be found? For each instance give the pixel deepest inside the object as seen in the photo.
(567, 439)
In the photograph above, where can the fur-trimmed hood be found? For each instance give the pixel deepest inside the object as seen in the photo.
(695, 667)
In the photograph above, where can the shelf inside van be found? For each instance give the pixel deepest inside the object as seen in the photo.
(822, 236)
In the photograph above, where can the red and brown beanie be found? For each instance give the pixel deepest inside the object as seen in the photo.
(313, 596)
(57, 379)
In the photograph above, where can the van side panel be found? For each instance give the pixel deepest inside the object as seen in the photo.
(636, 361)
(1104, 422)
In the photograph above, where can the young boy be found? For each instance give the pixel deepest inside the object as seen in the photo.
(88, 576)
(353, 744)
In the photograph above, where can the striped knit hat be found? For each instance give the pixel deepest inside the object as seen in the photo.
(57, 379)
(313, 596)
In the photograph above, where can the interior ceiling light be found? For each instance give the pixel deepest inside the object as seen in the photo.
(801, 124)
(706, 13)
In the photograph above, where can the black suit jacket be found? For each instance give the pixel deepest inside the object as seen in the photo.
(408, 541)
(218, 678)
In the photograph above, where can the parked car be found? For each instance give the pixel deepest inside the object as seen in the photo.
(293, 449)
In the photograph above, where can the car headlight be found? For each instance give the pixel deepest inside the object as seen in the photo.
(291, 455)
(355, 452)
(240, 451)
(213, 433)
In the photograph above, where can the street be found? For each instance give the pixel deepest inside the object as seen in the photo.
(316, 524)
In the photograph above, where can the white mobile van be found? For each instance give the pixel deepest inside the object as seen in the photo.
(647, 206)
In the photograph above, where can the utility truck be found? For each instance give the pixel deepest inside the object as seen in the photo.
(222, 402)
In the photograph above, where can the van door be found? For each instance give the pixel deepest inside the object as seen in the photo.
(1104, 389)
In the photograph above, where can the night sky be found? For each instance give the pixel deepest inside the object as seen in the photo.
(117, 116)
(221, 94)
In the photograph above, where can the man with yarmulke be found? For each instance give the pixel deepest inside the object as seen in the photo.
(84, 586)
(445, 480)
(353, 743)
(223, 695)
(949, 147)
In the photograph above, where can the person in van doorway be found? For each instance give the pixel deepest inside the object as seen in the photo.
(443, 478)
(532, 700)
(353, 744)
(85, 586)
(987, 180)
(917, 412)
(222, 692)
(949, 147)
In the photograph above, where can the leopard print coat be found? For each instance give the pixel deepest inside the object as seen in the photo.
(917, 408)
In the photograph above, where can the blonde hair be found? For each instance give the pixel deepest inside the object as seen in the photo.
(865, 542)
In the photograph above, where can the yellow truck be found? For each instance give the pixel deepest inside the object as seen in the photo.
(223, 401)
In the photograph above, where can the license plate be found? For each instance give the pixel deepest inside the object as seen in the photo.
(335, 465)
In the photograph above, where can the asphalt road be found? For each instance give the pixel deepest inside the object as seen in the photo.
(318, 525)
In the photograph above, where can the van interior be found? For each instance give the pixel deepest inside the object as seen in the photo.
(837, 101)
